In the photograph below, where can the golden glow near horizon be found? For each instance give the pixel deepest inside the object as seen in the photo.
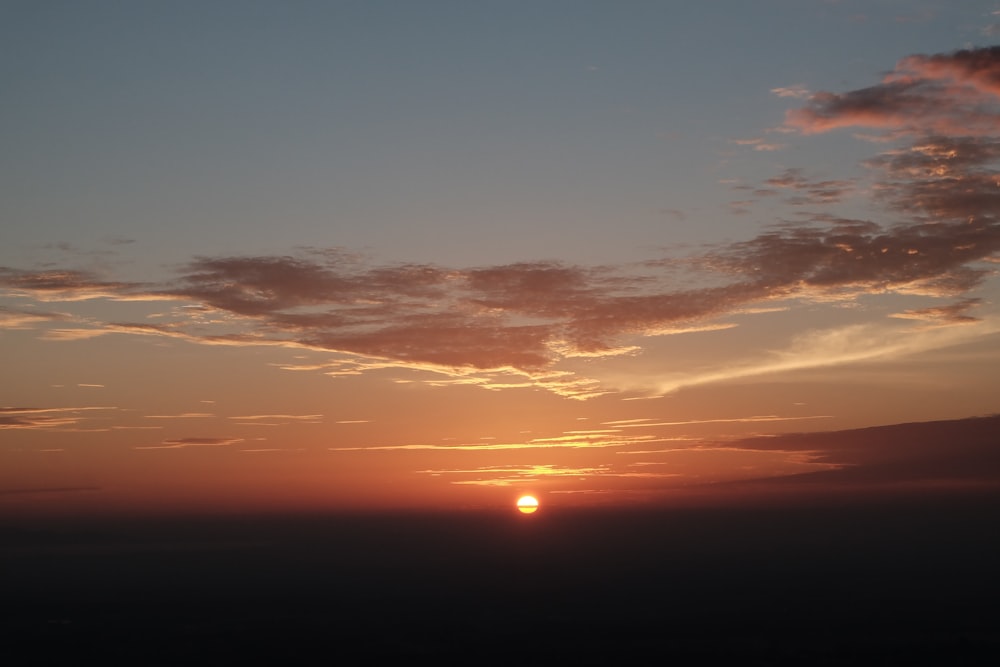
(527, 504)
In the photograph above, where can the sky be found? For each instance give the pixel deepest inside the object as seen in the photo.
(342, 256)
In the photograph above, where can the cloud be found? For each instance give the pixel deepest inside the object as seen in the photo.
(759, 144)
(182, 443)
(943, 315)
(600, 440)
(73, 334)
(807, 192)
(639, 423)
(943, 182)
(837, 346)
(276, 420)
(798, 91)
(958, 453)
(43, 418)
(950, 94)
(505, 476)
(67, 285)
(288, 417)
(12, 318)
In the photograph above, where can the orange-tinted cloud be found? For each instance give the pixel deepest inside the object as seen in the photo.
(950, 94)
(43, 418)
(13, 318)
(948, 315)
(182, 443)
(67, 285)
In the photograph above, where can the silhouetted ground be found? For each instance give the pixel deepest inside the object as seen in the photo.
(915, 582)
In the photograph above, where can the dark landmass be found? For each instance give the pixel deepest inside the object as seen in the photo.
(892, 583)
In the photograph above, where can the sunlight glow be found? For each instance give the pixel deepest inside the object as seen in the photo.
(527, 504)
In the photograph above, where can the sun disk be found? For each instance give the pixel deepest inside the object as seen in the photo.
(527, 504)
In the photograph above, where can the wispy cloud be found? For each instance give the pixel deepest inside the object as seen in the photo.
(599, 440)
(948, 315)
(73, 334)
(797, 91)
(279, 419)
(759, 144)
(836, 346)
(725, 420)
(44, 418)
(505, 476)
(182, 443)
(13, 318)
(71, 285)
(183, 415)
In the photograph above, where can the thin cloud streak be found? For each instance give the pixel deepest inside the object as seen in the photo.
(559, 442)
(839, 346)
(183, 443)
(56, 419)
(733, 420)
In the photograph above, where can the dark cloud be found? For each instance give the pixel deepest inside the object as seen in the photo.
(950, 181)
(930, 259)
(977, 67)
(945, 94)
(955, 452)
(264, 284)
(887, 105)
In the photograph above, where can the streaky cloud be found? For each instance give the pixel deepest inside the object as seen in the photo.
(183, 443)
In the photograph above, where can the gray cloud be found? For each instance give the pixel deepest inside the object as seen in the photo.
(959, 452)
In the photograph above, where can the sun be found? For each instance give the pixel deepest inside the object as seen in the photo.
(527, 504)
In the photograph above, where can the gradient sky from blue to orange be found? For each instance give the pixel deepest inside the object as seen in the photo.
(388, 254)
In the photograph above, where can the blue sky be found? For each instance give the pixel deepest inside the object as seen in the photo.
(494, 131)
